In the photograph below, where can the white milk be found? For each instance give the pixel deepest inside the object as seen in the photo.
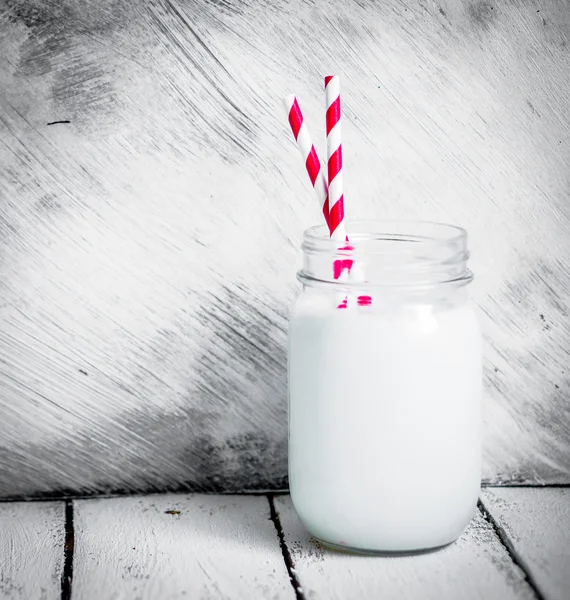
(384, 423)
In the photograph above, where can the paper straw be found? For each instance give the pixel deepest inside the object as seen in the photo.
(337, 224)
(334, 158)
(300, 130)
(308, 152)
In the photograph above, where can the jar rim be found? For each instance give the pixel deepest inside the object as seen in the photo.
(376, 233)
(387, 253)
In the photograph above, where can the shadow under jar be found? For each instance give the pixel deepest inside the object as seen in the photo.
(385, 388)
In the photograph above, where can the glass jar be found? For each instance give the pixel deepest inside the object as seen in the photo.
(385, 388)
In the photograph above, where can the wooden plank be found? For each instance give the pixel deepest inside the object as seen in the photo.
(476, 566)
(537, 524)
(177, 547)
(32, 537)
(148, 246)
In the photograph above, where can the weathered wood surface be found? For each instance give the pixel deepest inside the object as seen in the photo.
(177, 547)
(537, 524)
(476, 566)
(31, 550)
(148, 247)
(208, 546)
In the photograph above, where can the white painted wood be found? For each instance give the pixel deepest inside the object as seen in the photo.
(148, 248)
(32, 537)
(211, 547)
(537, 523)
(476, 566)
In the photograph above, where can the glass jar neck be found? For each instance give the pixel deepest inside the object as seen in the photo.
(413, 255)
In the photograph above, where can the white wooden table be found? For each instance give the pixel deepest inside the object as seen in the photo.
(221, 546)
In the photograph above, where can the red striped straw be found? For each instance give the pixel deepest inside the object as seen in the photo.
(306, 147)
(337, 224)
(308, 152)
(334, 158)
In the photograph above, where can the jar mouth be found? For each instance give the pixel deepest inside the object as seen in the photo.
(380, 236)
(388, 253)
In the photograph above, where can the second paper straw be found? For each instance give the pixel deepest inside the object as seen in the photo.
(334, 158)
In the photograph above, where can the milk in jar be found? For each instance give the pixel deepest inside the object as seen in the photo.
(385, 394)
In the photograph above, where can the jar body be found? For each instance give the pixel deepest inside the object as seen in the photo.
(384, 418)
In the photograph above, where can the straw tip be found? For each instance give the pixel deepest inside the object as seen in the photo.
(328, 78)
(288, 101)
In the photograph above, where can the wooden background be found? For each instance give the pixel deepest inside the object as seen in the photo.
(149, 242)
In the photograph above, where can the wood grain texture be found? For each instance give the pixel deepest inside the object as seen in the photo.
(537, 524)
(177, 547)
(31, 550)
(476, 566)
(148, 247)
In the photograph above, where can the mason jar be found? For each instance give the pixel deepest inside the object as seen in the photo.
(385, 388)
